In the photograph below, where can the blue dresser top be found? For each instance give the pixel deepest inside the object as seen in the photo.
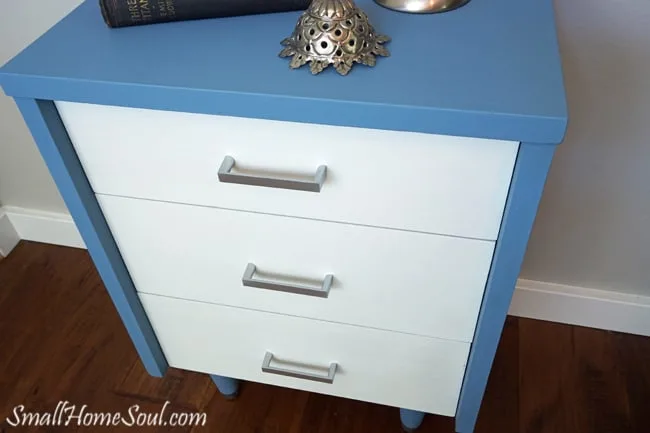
(490, 69)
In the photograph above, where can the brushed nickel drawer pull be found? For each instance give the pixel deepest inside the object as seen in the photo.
(314, 185)
(266, 368)
(322, 292)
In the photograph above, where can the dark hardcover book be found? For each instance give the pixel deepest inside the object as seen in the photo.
(122, 13)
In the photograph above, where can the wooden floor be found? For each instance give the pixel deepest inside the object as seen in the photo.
(61, 340)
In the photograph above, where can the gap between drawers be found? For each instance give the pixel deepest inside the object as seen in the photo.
(298, 217)
(303, 317)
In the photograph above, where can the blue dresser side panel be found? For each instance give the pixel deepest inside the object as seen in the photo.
(529, 177)
(55, 146)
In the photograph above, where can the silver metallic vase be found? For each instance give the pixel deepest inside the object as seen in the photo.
(422, 6)
(333, 32)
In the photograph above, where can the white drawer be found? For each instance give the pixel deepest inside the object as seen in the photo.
(390, 279)
(383, 367)
(412, 181)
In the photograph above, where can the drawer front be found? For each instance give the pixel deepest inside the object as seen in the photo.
(390, 279)
(383, 367)
(412, 181)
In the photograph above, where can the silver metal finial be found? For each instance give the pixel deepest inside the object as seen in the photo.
(333, 32)
(422, 6)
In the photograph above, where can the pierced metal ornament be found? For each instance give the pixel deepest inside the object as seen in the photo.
(333, 32)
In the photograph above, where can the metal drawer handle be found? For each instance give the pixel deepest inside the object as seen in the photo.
(266, 368)
(226, 176)
(322, 292)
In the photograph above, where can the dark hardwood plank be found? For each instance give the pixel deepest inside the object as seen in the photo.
(259, 408)
(570, 380)
(499, 411)
(548, 401)
(600, 385)
(633, 363)
(61, 339)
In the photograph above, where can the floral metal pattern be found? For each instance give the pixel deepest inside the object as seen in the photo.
(333, 32)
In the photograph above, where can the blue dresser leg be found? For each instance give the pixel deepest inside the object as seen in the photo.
(228, 387)
(411, 419)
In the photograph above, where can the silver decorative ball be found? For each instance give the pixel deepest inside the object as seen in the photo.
(333, 32)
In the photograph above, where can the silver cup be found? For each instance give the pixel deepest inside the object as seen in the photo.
(422, 6)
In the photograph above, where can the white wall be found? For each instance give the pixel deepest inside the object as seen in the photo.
(24, 179)
(593, 228)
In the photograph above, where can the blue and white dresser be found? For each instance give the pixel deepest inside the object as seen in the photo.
(357, 236)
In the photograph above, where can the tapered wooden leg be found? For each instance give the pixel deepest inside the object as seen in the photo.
(411, 419)
(228, 387)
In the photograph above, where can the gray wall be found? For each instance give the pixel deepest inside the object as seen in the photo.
(24, 179)
(593, 228)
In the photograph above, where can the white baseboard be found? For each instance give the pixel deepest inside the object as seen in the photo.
(593, 308)
(580, 306)
(8, 236)
(47, 227)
